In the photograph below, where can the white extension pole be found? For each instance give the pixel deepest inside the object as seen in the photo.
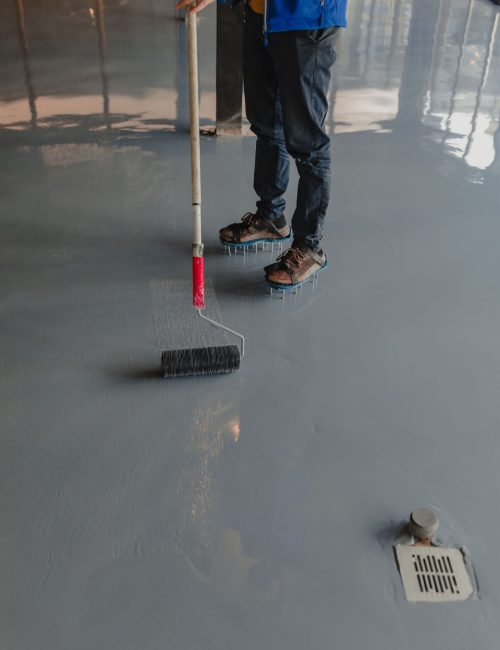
(195, 130)
(194, 113)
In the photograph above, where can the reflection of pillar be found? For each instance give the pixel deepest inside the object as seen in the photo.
(101, 33)
(181, 72)
(229, 77)
(440, 38)
(372, 31)
(351, 62)
(484, 78)
(394, 41)
(363, 39)
(23, 39)
(418, 60)
(459, 66)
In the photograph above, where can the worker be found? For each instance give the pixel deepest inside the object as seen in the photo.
(288, 54)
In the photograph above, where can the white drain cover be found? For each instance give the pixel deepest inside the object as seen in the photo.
(433, 574)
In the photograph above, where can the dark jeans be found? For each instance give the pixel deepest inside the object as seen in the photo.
(286, 86)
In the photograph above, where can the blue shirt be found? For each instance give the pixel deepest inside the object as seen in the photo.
(287, 15)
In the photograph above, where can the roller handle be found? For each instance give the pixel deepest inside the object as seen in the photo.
(194, 117)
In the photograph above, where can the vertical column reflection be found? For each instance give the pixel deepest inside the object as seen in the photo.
(484, 78)
(470, 116)
(181, 72)
(460, 59)
(28, 74)
(418, 61)
(101, 35)
(370, 65)
(393, 43)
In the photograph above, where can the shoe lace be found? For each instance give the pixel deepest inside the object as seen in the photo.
(250, 219)
(293, 256)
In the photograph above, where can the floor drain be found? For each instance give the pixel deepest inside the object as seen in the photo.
(433, 574)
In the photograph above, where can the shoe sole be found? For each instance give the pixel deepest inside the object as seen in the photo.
(254, 242)
(290, 287)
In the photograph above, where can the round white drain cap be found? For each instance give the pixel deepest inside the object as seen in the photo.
(423, 523)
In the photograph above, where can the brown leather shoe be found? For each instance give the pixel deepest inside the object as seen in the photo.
(253, 229)
(295, 266)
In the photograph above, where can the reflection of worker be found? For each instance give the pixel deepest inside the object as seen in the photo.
(288, 54)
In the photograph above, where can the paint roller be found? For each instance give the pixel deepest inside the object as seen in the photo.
(216, 359)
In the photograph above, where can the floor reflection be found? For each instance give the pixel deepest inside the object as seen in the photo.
(28, 73)
(423, 64)
(428, 69)
(101, 35)
(155, 100)
(214, 422)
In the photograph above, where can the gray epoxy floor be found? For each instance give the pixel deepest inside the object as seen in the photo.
(257, 510)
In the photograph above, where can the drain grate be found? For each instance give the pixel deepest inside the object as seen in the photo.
(433, 574)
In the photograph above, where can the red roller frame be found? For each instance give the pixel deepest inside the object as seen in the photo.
(198, 283)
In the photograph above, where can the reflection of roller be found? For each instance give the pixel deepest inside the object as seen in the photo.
(23, 39)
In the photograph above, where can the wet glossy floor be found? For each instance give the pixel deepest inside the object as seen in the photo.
(257, 510)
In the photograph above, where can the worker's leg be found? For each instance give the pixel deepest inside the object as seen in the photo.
(263, 109)
(303, 62)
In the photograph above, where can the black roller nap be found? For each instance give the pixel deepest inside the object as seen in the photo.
(200, 361)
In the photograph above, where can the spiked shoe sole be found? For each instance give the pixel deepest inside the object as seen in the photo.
(291, 287)
(255, 242)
